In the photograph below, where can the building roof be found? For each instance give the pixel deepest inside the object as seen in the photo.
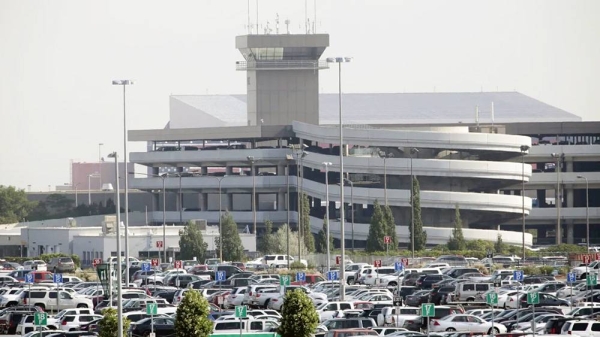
(191, 111)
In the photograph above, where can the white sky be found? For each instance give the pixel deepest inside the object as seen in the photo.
(57, 60)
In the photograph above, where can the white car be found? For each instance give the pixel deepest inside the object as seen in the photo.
(235, 297)
(465, 322)
(593, 267)
(73, 322)
(512, 300)
(377, 299)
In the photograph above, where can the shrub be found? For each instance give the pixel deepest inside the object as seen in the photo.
(546, 270)
(192, 316)
(109, 325)
(299, 317)
(531, 270)
(297, 265)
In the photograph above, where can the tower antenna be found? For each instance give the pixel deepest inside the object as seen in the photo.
(277, 24)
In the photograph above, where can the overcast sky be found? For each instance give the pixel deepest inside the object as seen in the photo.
(57, 60)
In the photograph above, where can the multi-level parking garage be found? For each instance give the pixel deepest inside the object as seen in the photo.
(575, 147)
(454, 168)
(274, 141)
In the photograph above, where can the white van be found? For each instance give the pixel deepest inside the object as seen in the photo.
(249, 325)
(583, 328)
(471, 291)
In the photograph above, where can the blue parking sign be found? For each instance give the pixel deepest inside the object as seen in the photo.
(398, 266)
(220, 275)
(29, 278)
(332, 275)
(571, 278)
(57, 278)
(301, 276)
(518, 275)
(146, 267)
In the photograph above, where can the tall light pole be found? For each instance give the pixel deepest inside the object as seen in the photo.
(90, 176)
(384, 155)
(76, 199)
(219, 179)
(300, 153)
(339, 61)
(412, 203)
(124, 84)
(587, 212)
(119, 272)
(524, 149)
(252, 160)
(100, 163)
(351, 208)
(327, 164)
(288, 158)
(164, 209)
(558, 201)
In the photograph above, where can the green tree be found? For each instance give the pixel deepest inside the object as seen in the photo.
(191, 319)
(457, 241)
(109, 324)
(377, 230)
(499, 245)
(390, 229)
(281, 241)
(321, 244)
(233, 250)
(420, 236)
(299, 317)
(59, 205)
(14, 206)
(309, 240)
(191, 243)
(267, 243)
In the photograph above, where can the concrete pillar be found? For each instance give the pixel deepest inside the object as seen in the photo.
(570, 237)
(280, 170)
(281, 201)
(228, 170)
(229, 204)
(204, 170)
(204, 202)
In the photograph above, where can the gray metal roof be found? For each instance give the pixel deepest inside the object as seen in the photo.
(394, 108)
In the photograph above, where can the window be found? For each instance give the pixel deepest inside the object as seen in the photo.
(468, 287)
(345, 306)
(367, 323)
(482, 287)
(459, 319)
(579, 326)
(596, 327)
(228, 326)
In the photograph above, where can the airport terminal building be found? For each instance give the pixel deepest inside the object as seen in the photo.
(474, 151)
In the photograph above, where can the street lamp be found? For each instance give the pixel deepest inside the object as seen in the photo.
(90, 176)
(339, 61)
(252, 160)
(412, 202)
(300, 154)
(100, 162)
(164, 210)
(288, 158)
(587, 210)
(559, 158)
(327, 164)
(384, 155)
(124, 84)
(220, 218)
(119, 272)
(351, 207)
(524, 149)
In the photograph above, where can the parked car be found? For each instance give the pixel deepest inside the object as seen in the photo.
(61, 265)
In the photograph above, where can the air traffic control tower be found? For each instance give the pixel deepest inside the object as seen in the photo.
(282, 77)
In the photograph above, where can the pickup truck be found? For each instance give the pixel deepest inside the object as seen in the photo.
(262, 297)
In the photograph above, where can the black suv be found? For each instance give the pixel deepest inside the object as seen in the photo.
(439, 295)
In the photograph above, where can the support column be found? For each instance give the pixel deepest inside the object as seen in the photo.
(570, 236)
(204, 202)
(281, 201)
(228, 170)
(570, 223)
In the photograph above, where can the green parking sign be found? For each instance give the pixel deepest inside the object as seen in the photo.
(533, 298)
(241, 311)
(284, 280)
(592, 279)
(151, 308)
(428, 310)
(491, 298)
(40, 319)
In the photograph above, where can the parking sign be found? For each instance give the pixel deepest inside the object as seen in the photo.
(29, 278)
(57, 278)
(518, 275)
(571, 278)
(332, 275)
(220, 275)
(377, 263)
(398, 266)
(301, 276)
(146, 267)
(405, 261)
